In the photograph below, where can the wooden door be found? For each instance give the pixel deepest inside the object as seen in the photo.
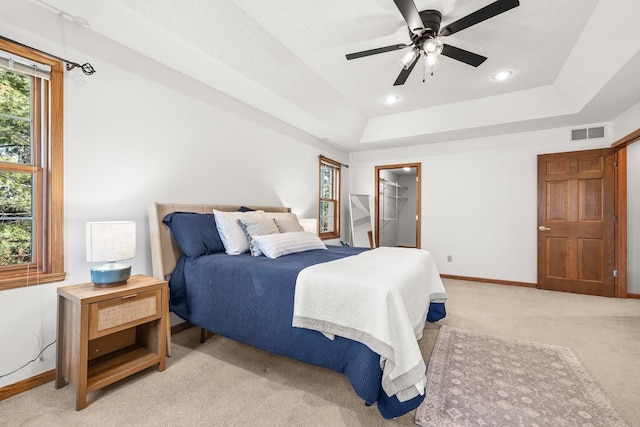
(576, 222)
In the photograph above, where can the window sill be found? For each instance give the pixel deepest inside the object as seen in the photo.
(21, 281)
(329, 236)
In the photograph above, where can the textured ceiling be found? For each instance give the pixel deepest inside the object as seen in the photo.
(572, 62)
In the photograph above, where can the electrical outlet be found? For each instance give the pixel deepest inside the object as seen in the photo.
(449, 258)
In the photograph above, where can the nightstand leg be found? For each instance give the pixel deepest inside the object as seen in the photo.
(60, 341)
(81, 400)
(83, 358)
(168, 326)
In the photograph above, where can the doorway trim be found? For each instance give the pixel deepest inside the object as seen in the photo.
(620, 211)
(418, 198)
(620, 231)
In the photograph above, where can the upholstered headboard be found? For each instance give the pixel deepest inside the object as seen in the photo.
(164, 251)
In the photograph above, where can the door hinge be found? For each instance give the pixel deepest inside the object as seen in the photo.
(615, 163)
(615, 273)
(615, 218)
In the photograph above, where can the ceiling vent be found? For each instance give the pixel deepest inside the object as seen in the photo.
(587, 133)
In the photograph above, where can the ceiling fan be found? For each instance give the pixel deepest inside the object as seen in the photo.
(426, 36)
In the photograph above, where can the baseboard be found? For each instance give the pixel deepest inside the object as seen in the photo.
(496, 281)
(507, 282)
(27, 384)
(45, 377)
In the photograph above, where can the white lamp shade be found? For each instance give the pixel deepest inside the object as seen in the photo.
(111, 241)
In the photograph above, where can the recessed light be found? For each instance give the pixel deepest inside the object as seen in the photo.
(391, 99)
(501, 75)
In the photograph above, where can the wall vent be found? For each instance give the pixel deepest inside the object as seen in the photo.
(587, 133)
(597, 132)
(578, 134)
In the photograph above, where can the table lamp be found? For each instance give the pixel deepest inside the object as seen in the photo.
(111, 241)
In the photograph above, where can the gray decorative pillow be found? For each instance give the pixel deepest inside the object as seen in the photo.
(257, 227)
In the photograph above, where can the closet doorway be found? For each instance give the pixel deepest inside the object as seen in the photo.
(397, 205)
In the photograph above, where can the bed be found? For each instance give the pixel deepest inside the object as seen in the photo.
(251, 298)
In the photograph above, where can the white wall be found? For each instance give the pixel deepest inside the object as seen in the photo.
(479, 199)
(135, 133)
(626, 123)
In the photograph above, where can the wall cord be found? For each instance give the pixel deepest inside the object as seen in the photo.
(31, 361)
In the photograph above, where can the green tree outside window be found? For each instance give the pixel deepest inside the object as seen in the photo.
(16, 188)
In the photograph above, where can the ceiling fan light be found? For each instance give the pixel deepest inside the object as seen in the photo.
(433, 46)
(408, 57)
(431, 63)
(432, 60)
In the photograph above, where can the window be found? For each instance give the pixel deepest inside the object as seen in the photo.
(329, 218)
(31, 170)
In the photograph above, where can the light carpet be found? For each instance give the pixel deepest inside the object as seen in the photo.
(474, 379)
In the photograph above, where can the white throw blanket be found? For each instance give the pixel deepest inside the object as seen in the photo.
(379, 298)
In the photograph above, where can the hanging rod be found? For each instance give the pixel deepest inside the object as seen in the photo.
(70, 65)
(341, 164)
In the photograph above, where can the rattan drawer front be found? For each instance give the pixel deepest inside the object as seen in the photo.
(117, 314)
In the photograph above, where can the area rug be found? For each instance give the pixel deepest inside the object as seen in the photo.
(475, 379)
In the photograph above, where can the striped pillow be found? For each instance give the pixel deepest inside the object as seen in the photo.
(277, 245)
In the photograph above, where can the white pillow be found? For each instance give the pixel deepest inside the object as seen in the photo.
(288, 225)
(257, 227)
(233, 237)
(277, 245)
(281, 215)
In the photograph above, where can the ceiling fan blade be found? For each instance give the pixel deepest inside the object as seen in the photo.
(489, 11)
(404, 74)
(462, 55)
(376, 51)
(410, 14)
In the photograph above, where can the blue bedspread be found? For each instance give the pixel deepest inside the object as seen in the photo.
(250, 299)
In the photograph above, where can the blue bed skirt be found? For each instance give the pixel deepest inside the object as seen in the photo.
(250, 299)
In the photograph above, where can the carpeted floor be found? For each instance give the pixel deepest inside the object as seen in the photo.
(218, 383)
(224, 383)
(480, 379)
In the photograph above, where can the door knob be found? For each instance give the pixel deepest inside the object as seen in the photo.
(543, 228)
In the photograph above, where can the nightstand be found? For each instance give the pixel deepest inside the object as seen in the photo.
(106, 334)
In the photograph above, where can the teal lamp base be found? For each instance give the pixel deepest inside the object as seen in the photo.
(111, 274)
